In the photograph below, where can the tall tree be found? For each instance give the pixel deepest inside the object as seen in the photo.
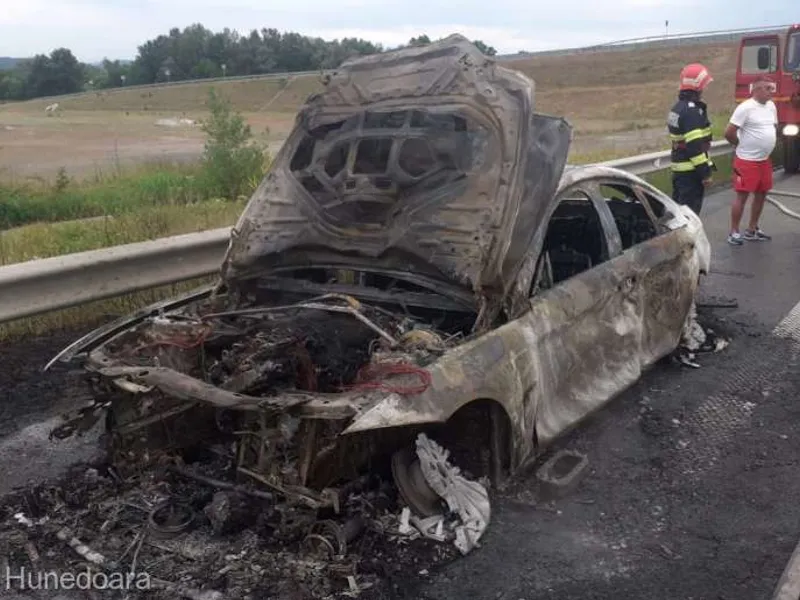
(59, 73)
(192, 53)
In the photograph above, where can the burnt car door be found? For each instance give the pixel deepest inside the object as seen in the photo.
(664, 255)
(586, 312)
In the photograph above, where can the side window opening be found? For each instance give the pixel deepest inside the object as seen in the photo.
(574, 242)
(634, 223)
(793, 52)
(751, 65)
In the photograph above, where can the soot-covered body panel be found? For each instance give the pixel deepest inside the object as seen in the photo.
(427, 157)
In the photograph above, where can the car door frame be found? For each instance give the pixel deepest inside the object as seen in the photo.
(587, 329)
(668, 277)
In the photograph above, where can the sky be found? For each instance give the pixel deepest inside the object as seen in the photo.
(97, 29)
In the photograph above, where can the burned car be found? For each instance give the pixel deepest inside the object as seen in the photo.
(419, 258)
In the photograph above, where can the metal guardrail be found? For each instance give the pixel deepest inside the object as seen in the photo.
(43, 285)
(656, 161)
(39, 286)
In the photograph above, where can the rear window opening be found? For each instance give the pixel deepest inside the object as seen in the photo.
(575, 241)
(633, 222)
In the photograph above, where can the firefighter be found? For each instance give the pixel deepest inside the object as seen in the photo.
(690, 133)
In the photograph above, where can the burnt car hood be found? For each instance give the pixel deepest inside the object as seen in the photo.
(423, 159)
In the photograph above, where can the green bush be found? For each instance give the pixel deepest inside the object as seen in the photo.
(233, 163)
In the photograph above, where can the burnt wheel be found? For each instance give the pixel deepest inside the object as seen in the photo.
(411, 484)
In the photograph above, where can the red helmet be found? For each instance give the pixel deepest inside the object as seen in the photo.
(695, 77)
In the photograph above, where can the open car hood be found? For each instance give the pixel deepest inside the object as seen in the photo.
(423, 159)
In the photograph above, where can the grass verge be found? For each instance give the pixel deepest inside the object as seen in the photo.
(147, 186)
(42, 240)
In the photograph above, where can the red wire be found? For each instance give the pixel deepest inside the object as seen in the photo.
(180, 343)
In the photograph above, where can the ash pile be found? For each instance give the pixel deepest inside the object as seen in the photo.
(181, 530)
(213, 501)
(696, 339)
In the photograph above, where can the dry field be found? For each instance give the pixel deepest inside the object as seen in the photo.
(616, 101)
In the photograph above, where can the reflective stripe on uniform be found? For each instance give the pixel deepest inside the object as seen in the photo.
(690, 165)
(697, 134)
(699, 159)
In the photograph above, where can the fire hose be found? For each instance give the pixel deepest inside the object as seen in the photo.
(780, 206)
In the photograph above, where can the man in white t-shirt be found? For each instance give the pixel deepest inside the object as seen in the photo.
(753, 132)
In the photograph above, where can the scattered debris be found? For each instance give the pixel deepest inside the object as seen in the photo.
(468, 499)
(694, 336)
(446, 505)
(169, 518)
(65, 535)
(720, 303)
(210, 544)
(561, 473)
(695, 339)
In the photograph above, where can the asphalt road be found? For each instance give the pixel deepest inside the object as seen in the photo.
(692, 491)
(762, 277)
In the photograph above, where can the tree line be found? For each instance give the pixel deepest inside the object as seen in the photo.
(194, 53)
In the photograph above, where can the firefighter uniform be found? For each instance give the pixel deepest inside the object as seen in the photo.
(690, 133)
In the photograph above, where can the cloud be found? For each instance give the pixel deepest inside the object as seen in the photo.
(94, 29)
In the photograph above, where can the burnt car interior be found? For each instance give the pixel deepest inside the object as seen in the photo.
(633, 222)
(574, 241)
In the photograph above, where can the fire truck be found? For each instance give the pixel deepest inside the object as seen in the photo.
(776, 55)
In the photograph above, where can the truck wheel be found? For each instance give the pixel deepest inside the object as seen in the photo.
(791, 155)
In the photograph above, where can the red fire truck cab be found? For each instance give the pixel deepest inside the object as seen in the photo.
(776, 55)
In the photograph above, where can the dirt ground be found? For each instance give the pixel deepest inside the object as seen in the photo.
(616, 102)
(88, 143)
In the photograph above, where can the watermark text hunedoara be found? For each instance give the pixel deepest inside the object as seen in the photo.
(26, 579)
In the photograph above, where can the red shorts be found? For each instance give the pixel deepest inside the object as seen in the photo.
(752, 175)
